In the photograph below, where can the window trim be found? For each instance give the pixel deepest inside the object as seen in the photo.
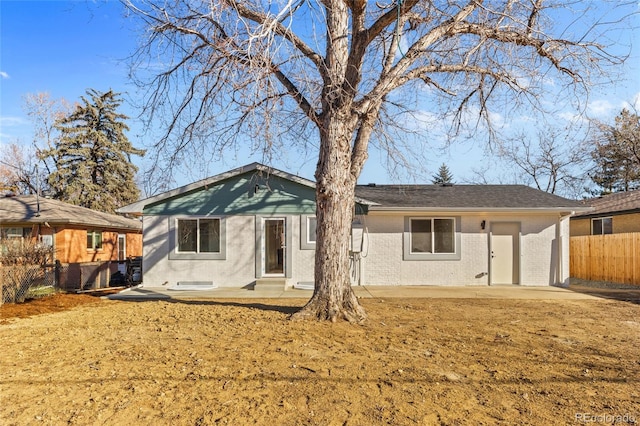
(409, 255)
(305, 242)
(601, 225)
(25, 232)
(174, 254)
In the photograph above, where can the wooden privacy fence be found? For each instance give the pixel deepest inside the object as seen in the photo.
(612, 257)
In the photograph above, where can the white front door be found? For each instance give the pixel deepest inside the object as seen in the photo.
(505, 253)
(274, 247)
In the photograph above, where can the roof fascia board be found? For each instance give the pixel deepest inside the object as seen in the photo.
(68, 222)
(590, 214)
(411, 210)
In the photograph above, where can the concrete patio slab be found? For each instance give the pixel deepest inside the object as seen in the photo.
(436, 292)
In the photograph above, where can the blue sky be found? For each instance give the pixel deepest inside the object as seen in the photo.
(67, 47)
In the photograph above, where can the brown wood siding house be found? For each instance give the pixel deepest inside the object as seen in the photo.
(90, 245)
(612, 214)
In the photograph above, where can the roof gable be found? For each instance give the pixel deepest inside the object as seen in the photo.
(246, 193)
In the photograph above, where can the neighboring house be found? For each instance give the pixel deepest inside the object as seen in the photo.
(88, 243)
(611, 214)
(254, 225)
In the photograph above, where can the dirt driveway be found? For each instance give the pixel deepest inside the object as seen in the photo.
(416, 361)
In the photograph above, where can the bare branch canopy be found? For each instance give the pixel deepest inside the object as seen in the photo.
(327, 75)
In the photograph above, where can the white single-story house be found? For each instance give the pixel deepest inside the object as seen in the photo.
(256, 224)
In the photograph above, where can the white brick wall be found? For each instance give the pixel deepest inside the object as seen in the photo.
(382, 262)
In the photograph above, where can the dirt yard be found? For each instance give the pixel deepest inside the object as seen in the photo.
(90, 361)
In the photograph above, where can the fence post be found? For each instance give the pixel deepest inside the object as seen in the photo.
(56, 274)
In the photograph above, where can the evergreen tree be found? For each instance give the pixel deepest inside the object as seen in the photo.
(617, 154)
(92, 158)
(443, 177)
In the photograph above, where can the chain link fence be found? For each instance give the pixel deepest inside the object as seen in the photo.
(21, 282)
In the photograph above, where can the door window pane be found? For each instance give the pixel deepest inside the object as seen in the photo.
(274, 245)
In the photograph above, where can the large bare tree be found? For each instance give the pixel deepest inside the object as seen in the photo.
(18, 169)
(344, 72)
(44, 112)
(551, 159)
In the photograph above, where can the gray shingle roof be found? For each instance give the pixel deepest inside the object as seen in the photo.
(464, 197)
(24, 209)
(386, 197)
(617, 203)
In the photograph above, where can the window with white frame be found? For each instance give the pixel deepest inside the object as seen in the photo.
(432, 238)
(308, 226)
(94, 240)
(11, 233)
(602, 225)
(311, 229)
(198, 235)
(433, 235)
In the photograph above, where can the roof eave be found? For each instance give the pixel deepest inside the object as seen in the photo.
(69, 222)
(566, 209)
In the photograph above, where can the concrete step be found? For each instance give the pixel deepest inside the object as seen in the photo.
(276, 284)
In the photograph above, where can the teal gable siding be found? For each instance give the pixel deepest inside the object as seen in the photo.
(247, 194)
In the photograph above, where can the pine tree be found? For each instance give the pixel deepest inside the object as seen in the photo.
(92, 158)
(444, 176)
(617, 154)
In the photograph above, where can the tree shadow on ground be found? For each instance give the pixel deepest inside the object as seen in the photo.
(626, 294)
(287, 310)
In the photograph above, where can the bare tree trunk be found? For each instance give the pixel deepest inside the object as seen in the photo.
(333, 298)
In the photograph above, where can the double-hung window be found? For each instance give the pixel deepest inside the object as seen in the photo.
(11, 233)
(94, 240)
(197, 238)
(432, 238)
(601, 226)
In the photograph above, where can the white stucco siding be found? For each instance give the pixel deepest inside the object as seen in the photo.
(303, 260)
(238, 269)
